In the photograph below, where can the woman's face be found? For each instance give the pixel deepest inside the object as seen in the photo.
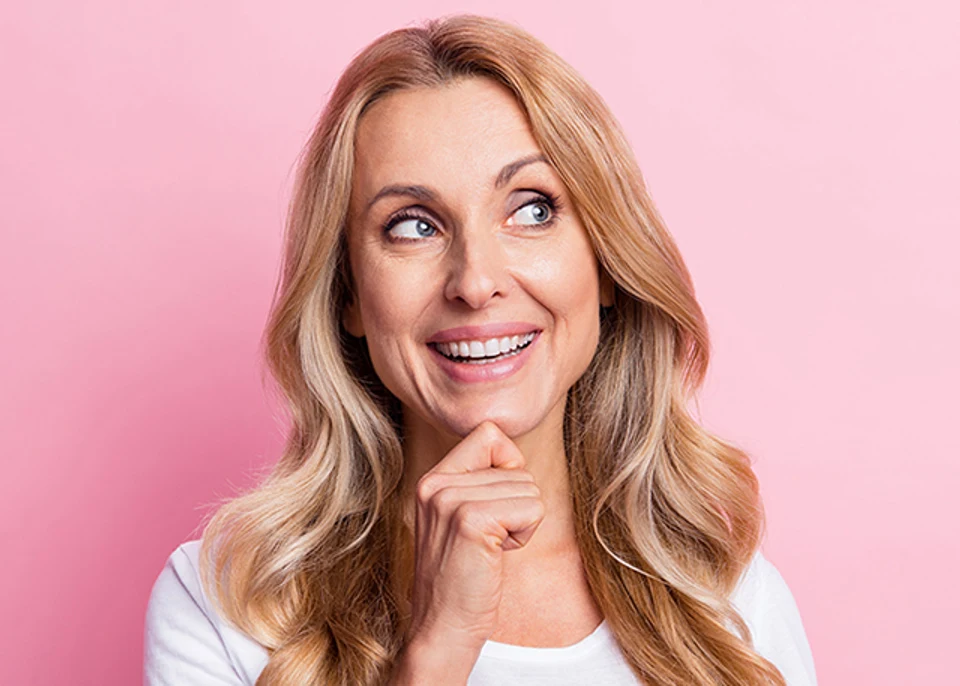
(456, 252)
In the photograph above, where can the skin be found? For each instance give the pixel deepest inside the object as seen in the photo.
(481, 258)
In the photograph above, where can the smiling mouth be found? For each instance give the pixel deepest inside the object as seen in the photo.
(483, 358)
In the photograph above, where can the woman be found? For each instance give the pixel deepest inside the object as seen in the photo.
(487, 340)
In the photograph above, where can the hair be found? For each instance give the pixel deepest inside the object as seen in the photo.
(316, 562)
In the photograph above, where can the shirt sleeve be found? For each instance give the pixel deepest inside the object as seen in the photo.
(770, 611)
(183, 645)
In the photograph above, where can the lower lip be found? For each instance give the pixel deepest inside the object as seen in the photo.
(488, 371)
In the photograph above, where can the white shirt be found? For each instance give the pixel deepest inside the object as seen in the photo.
(187, 644)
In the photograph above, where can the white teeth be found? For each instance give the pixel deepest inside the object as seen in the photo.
(489, 348)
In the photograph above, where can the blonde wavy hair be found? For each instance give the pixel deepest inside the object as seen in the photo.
(316, 563)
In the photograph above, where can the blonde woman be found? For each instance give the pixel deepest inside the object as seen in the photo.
(488, 340)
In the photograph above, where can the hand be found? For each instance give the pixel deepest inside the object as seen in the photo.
(476, 503)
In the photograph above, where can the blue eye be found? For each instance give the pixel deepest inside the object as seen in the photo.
(543, 210)
(540, 211)
(421, 228)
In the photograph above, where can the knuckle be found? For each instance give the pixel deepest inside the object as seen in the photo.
(462, 510)
(539, 509)
(427, 485)
(469, 515)
(489, 431)
(445, 500)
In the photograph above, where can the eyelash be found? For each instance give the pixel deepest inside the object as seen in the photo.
(548, 199)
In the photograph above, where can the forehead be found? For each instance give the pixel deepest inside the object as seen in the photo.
(453, 137)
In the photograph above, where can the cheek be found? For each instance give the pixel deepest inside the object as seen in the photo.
(585, 311)
(567, 279)
(584, 320)
(384, 321)
(393, 299)
(579, 304)
(389, 297)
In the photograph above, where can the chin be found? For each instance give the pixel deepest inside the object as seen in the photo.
(512, 423)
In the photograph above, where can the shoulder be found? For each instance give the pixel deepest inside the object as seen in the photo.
(178, 588)
(766, 604)
(185, 640)
(179, 580)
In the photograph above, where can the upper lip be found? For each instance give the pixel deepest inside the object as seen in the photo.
(483, 332)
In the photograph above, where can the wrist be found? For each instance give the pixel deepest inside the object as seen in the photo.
(423, 662)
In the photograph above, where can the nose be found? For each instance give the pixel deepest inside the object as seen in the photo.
(477, 271)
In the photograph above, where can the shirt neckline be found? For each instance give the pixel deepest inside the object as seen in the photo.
(508, 651)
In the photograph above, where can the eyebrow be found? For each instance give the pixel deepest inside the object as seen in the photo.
(426, 194)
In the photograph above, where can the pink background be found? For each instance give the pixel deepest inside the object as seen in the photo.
(804, 154)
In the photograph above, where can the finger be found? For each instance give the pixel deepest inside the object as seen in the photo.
(515, 518)
(433, 481)
(484, 447)
(448, 499)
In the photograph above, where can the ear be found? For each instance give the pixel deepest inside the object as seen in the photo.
(353, 318)
(607, 289)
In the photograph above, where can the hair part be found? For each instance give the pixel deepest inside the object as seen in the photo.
(316, 563)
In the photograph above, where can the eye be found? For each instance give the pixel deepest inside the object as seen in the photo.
(539, 211)
(543, 210)
(410, 227)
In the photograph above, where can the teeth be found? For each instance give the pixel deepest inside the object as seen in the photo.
(489, 348)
